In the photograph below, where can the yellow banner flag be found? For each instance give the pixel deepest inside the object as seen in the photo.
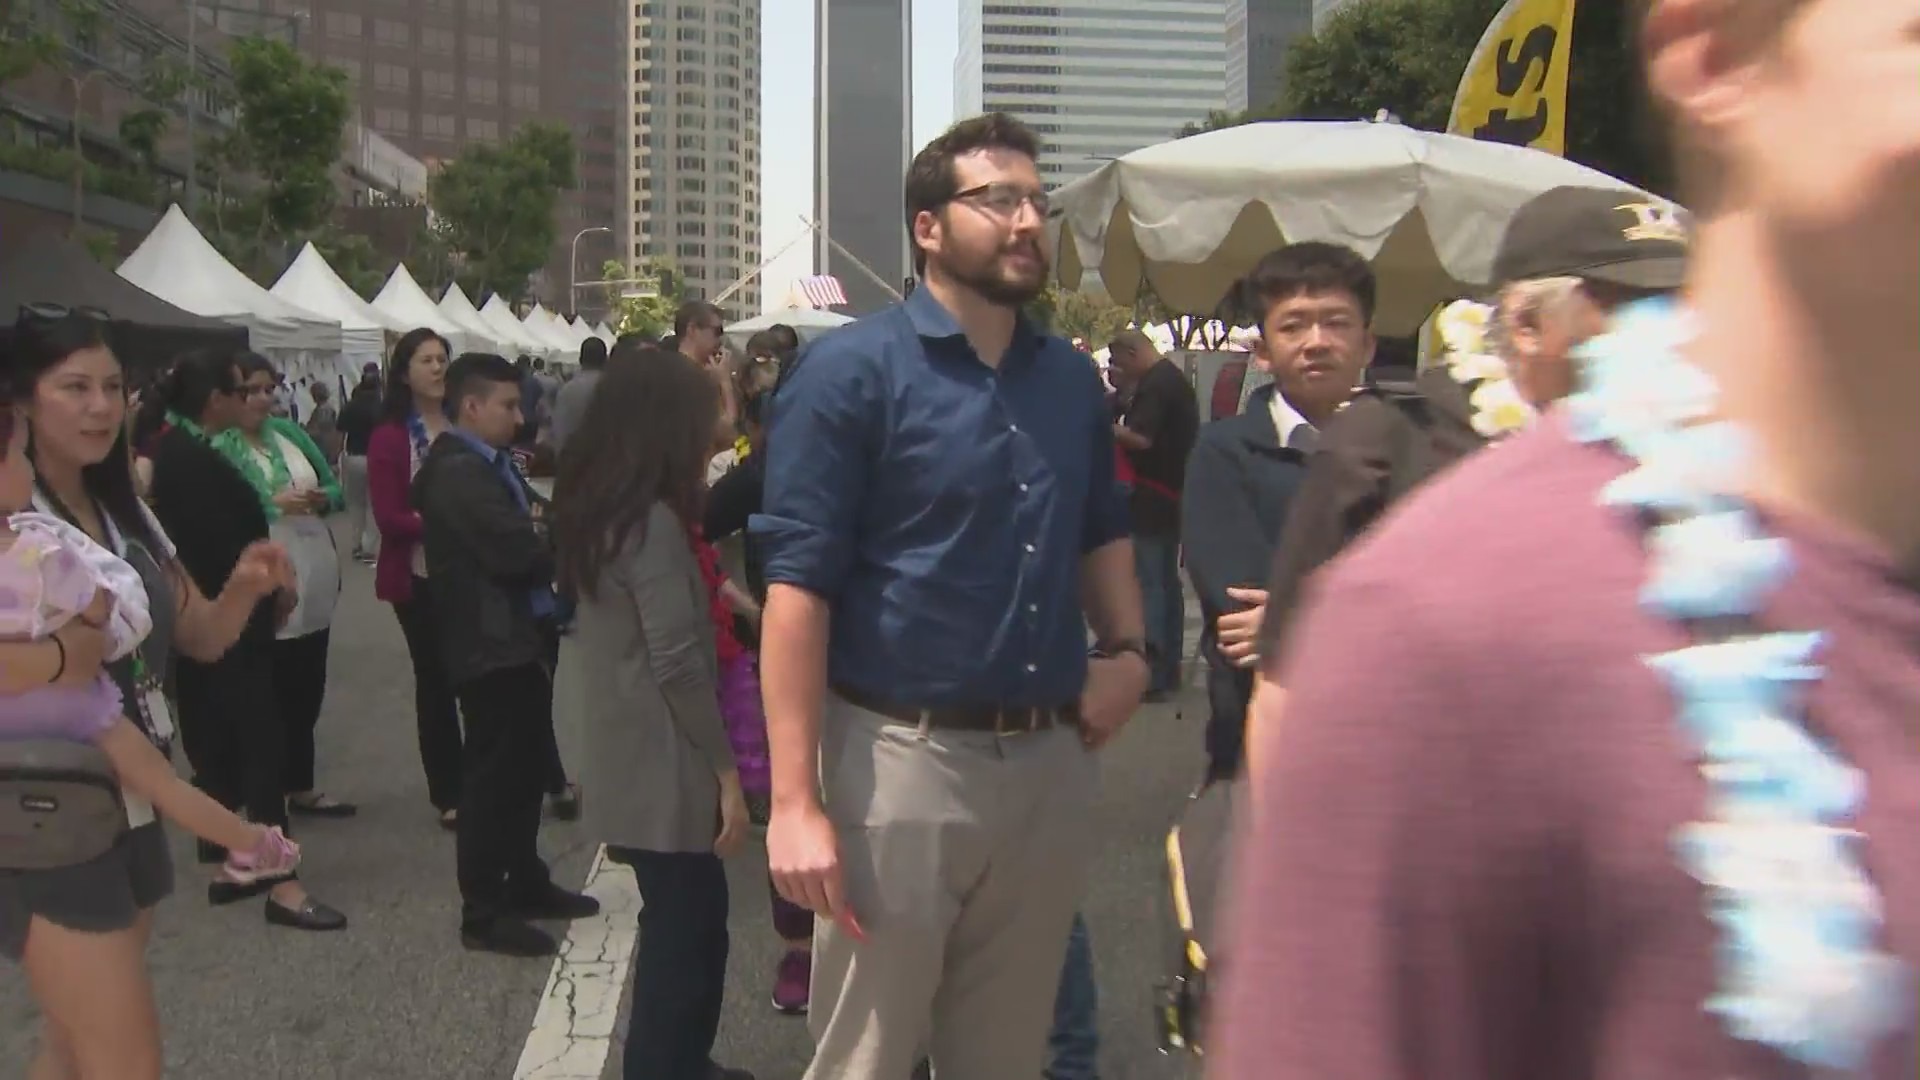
(1515, 87)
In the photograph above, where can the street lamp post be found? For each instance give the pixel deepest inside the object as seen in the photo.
(573, 266)
(193, 76)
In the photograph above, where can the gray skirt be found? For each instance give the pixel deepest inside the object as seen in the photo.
(99, 896)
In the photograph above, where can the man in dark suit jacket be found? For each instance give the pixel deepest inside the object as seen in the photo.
(491, 571)
(1316, 303)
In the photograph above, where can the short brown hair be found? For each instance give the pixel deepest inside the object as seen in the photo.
(931, 183)
(694, 312)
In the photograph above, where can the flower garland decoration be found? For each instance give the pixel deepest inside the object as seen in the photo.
(1800, 969)
(1498, 408)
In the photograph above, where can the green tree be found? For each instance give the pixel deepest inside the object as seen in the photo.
(499, 203)
(645, 299)
(142, 129)
(1407, 56)
(1093, 320)
(272, 173)
(64, 45)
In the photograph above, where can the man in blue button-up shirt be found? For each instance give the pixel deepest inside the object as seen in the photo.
(941, 524)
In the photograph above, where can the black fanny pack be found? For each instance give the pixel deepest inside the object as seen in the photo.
(60, 804)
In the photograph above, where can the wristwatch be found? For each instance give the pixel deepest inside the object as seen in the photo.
(1113, 650)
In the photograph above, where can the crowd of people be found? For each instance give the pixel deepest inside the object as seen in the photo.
(1562, 684)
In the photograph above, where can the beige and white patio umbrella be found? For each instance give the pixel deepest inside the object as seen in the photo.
(1191, 216)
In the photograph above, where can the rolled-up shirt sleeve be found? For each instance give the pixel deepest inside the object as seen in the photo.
(1106, 517)
(821, 442)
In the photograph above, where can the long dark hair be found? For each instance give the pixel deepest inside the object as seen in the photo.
(197, 377)
(645, 438)
(397, 403)
(36, 347)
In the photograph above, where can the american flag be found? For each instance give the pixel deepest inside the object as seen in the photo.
(822, 291)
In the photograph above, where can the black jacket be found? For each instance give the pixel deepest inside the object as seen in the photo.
(485, 557)
(359, 418)
(1240, 485)
(1390, 439)
(211, 514)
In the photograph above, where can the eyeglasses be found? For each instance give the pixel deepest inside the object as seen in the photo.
(46, 311)
(1005, 199)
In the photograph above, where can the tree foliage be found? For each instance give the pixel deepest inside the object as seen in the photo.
(646, 301)
(273, 182)
(498, 202)
(1407, 56)
(1089, 319)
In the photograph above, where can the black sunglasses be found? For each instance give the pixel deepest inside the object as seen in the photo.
(46, 311)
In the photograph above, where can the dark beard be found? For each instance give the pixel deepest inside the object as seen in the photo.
(998, 290)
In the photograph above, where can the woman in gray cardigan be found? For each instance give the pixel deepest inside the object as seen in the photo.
(641, 673)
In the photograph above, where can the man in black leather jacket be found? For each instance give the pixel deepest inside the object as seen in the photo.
(490, 567)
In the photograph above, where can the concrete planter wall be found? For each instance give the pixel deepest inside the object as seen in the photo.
(56, 197)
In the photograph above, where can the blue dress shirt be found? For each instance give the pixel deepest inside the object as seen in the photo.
(942, 507)
(542, 598)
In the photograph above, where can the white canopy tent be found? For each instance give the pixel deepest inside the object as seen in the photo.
(177, 264)
(506, 326)
(579, 329)
(455, 305)
(604, 332)
(402, 298)
(808, 322)
(312, 284)
(547, 327)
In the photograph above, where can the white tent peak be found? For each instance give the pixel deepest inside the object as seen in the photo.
(402, 298)
(457, 307)
(178, 264)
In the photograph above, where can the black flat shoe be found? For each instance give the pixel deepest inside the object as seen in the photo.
(312, 915)
(450, 821)
(222, 893)
(556, 903)
(508, 937)
(321, 807)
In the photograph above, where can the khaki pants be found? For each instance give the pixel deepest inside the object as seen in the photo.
(965, 857)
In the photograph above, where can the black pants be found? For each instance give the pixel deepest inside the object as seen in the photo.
(300, 689)
(509, 722)
(555, 769)
(680, 970)
(231, 730)
(434, 707)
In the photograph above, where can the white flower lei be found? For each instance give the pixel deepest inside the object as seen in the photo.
(1498, 408)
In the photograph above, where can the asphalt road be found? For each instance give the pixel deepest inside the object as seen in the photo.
(394, 997)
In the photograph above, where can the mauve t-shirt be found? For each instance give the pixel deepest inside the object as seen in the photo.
(1461, 864)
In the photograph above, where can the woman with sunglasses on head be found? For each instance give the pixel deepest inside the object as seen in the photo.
(82, 931)
(297, 489)
(412, 417)
(230, 721)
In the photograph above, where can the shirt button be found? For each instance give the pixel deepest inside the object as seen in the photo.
(1015, 428)
(1031, 668)
(1029, 549)
(1033, 609)
(1023, 487)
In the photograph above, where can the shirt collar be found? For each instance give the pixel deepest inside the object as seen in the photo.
(1285, 417)
(491, 453)
(931, 319)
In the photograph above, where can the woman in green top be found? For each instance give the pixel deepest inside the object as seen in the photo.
(297, 486)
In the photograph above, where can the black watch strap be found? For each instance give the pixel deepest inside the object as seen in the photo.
(1115, 649)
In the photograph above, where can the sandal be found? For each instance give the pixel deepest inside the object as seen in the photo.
(321, 805)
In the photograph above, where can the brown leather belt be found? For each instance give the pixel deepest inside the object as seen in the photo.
(996, 719)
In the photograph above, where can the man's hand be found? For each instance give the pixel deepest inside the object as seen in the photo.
(1237, 634)
(803, 856)
(1114, 688)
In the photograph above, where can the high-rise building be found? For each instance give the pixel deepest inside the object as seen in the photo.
(1094, 78)
(435, 76)
(863, 140)
(692, 188)
(1259, 33)
(1324, 9)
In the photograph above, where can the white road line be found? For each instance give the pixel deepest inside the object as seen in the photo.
(573, 1029)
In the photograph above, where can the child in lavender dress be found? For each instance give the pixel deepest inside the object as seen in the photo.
(51, 574)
